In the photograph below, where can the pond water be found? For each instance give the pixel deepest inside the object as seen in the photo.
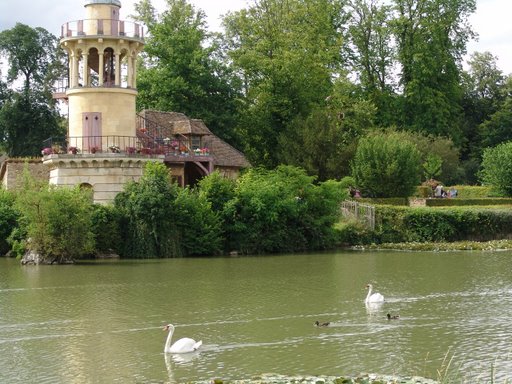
(101, 322)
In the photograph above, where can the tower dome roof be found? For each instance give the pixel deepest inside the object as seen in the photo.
(108, 2)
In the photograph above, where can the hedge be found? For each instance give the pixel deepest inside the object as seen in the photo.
(403, 224)
(465, 202)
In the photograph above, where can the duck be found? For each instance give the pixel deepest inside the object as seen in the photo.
(393, 317)
(319, 324)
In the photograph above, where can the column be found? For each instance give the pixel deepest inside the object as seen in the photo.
(101, 68)
(86, 68)
(117, 69)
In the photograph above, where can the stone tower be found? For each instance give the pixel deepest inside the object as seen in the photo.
(100, 150)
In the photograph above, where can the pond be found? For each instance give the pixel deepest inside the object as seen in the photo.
(101, 322)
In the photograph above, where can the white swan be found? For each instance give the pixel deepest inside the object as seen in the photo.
(373, 298)
(184, 345)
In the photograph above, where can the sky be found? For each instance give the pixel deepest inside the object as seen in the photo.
(491, 20)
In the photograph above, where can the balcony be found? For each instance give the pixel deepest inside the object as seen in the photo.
(102, 28)
(172, 150)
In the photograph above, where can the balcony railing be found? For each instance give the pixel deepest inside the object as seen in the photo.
(102, 27)
(127, 145)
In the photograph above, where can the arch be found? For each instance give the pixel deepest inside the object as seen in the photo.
(87, 187)
(194, 171)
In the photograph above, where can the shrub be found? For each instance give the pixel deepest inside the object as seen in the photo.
(281, 211)
(497, 168)
(58, 222)
(386, 166)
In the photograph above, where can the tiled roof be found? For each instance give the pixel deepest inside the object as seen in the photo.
(174, 123)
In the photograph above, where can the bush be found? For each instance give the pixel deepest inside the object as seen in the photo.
(400, 224)
(58, 222)
(497, 168)
(282, 211)
(386, 166)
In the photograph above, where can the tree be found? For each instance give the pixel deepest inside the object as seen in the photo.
(372, 56)
(497, 168)
(496, 128)
(33, 55)
(324, 142)
(386, 166)
(29, 117)
(431, 38)
(183, 70)
(58, 220)
(272, 207)
(286, 54)
(147, 220)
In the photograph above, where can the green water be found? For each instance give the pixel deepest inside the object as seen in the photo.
(101, 322)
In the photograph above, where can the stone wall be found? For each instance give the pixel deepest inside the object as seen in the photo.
(12, 171)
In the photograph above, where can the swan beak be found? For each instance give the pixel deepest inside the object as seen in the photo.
(166, 328)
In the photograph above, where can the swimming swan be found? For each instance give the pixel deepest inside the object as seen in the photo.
(184, 345)
(373, 298)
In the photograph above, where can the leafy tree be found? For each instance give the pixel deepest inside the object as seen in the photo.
(386, 166)
(9, 216)
(58, 221)
(147, 219)
(484, 94)
(324, 143)
(29, 117)
(183, 70)
(373, 56)
(218, 190)
(272, 207)
(199, 226)
(33, 56)
(105, 227)
(497, 168)
(432, 166)
(285, 54)
(431, 39)
(497, 128)
(26, 120)
(439, 147)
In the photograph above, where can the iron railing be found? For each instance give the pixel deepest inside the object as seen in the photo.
(128, 145)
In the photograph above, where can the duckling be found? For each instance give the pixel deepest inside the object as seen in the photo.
(319, 324)
(393, 317)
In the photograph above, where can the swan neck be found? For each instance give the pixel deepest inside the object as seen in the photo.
(369, 293)
(169, 338)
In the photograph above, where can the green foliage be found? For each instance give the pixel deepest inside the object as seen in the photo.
(466, 202)
(431, 38)
(9, 217)
(497, 168)
(28, 117)
(396, 224)
(281, 211)
(218, 190)
(105, 227)
(325, 141)
(386, 166)
(184, 69)
(280, 50)
(432, 166)
(199, 226)
(58, 222)
(148, 222)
